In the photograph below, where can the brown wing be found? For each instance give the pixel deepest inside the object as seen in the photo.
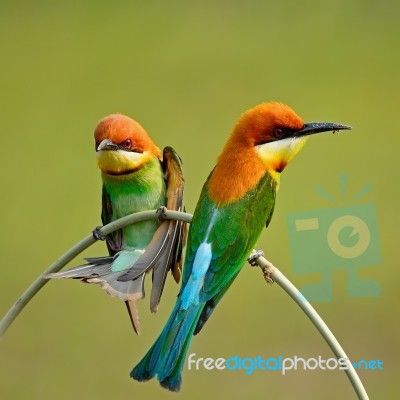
(164, 252)
(172, 165)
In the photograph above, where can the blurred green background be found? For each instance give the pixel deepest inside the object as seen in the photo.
(186, 71)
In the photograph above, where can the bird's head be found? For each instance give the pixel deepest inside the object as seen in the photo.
(122, 145)
(266, 138)
(276, 133)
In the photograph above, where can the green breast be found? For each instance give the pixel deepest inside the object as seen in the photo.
(142, 190)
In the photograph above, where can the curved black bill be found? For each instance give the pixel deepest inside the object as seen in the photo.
(317, 127)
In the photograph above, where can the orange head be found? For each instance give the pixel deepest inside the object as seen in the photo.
(266, 138)
(122, 145)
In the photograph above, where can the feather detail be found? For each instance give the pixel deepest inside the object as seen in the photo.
(190, 293)
(236, 173)
(101, 271)
(133, 314)
(166, 357)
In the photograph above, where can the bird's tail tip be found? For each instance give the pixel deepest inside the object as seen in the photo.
(148, 369)
(141, 374)
(142, 371)
(166, 357)
(173, 384)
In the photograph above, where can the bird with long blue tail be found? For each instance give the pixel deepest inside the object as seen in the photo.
(236, 203)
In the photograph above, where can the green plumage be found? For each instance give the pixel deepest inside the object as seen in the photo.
(232, 231)
(142, 190)
(233, 236)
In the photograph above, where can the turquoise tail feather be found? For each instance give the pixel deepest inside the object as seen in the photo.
(166, 357)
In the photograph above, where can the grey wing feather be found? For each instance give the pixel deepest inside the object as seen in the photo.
(166, 261)
(100, 260)
(150, 256)
(85, 271)
(99, 271)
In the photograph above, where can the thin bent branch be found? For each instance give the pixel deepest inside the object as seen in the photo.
(74, 251)
(269, 270)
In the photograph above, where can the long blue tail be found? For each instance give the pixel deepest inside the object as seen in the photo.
(167, 355)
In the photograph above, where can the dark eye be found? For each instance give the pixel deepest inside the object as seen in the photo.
(278, 133)
(128, 143)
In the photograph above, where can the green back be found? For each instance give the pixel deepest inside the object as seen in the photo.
(232, 230)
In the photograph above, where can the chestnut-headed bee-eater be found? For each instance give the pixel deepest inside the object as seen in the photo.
(135, 178)
(236, 202)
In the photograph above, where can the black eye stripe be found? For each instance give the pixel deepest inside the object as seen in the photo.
(282, 133)
(122, 146)
(278, 133)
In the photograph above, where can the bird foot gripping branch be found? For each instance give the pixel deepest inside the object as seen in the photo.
(162, 213)
(254, 261)
(97, 234)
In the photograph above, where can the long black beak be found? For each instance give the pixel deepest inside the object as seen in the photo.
(317, 127)
(107, 144)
